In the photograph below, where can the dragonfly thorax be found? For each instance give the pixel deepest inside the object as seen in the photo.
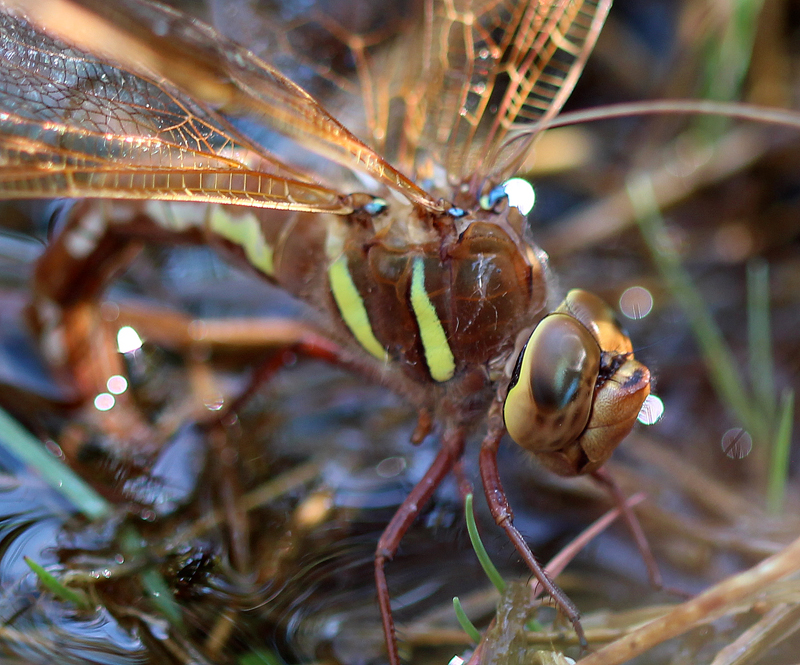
(437, 296)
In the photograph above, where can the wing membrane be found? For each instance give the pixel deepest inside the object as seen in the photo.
(215, 71)
(446, 87)
(494, 64)
(72, 125)
(457, 89)
(356, 56)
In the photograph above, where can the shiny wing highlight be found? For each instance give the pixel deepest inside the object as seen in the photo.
(72, 125)
(144, 36)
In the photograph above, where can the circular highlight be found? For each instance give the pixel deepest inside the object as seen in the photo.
(520, 194)
(128, 340)
(652, 410)
(104, 401)
(214, 402)
(391, 467)
(636, 302)
(117, 384)
(737, 443)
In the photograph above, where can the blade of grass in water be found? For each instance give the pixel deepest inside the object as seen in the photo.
(153, 582)
(465, 623)
(57, 588)
(486, 563)
(261, 657)
(55, 473)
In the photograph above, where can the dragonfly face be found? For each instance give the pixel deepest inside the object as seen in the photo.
(576, 389)
(433, 291)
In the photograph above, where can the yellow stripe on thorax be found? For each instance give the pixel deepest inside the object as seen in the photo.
(438, 355)
(246, 232)
(351, 307)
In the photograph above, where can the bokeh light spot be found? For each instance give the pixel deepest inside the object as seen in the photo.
(117, 384)
(391, 467)
(104, 401)
(520, 194)
(737, 443)
(636, 302)
(652, 410)
(128, 340)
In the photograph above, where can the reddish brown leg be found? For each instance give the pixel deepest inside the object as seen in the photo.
(504, 517)
(423, 428)
(452, 449)
(632, 522)
(464, 484)
(312, 346)
(77, 340)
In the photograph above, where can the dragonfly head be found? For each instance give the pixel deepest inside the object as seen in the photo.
(576, 389)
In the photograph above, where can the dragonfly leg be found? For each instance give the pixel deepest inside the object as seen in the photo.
(504, 517)
(448, 456)
(310, 345)
(282, 338)
(604, 478)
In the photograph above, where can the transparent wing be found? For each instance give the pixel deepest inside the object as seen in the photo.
(492, 66)
(143, 36)
(72, 125)
(439, 87)
(347, 54)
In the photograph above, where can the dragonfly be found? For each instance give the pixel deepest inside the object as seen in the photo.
(423, 277)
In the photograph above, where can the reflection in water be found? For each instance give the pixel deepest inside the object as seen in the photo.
(37, 628)
(52, 632)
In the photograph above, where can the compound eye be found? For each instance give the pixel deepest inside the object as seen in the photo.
(495, 196)
(376, 207)
(550, 398)
(600, 320)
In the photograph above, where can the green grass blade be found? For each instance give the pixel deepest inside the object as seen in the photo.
(261, 657)
(723, 369)
(153, 582)
(727, 52)
(58, 588)
(58, 475)
(466, 624)
(728, 55)
(759, 338)
(534, 626)
(781, 450)
(161, 596)
(480, 550)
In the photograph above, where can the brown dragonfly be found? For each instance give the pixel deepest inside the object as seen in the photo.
(422, 274)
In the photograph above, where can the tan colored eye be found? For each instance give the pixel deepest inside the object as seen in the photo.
(600, 320)
(550, 398)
